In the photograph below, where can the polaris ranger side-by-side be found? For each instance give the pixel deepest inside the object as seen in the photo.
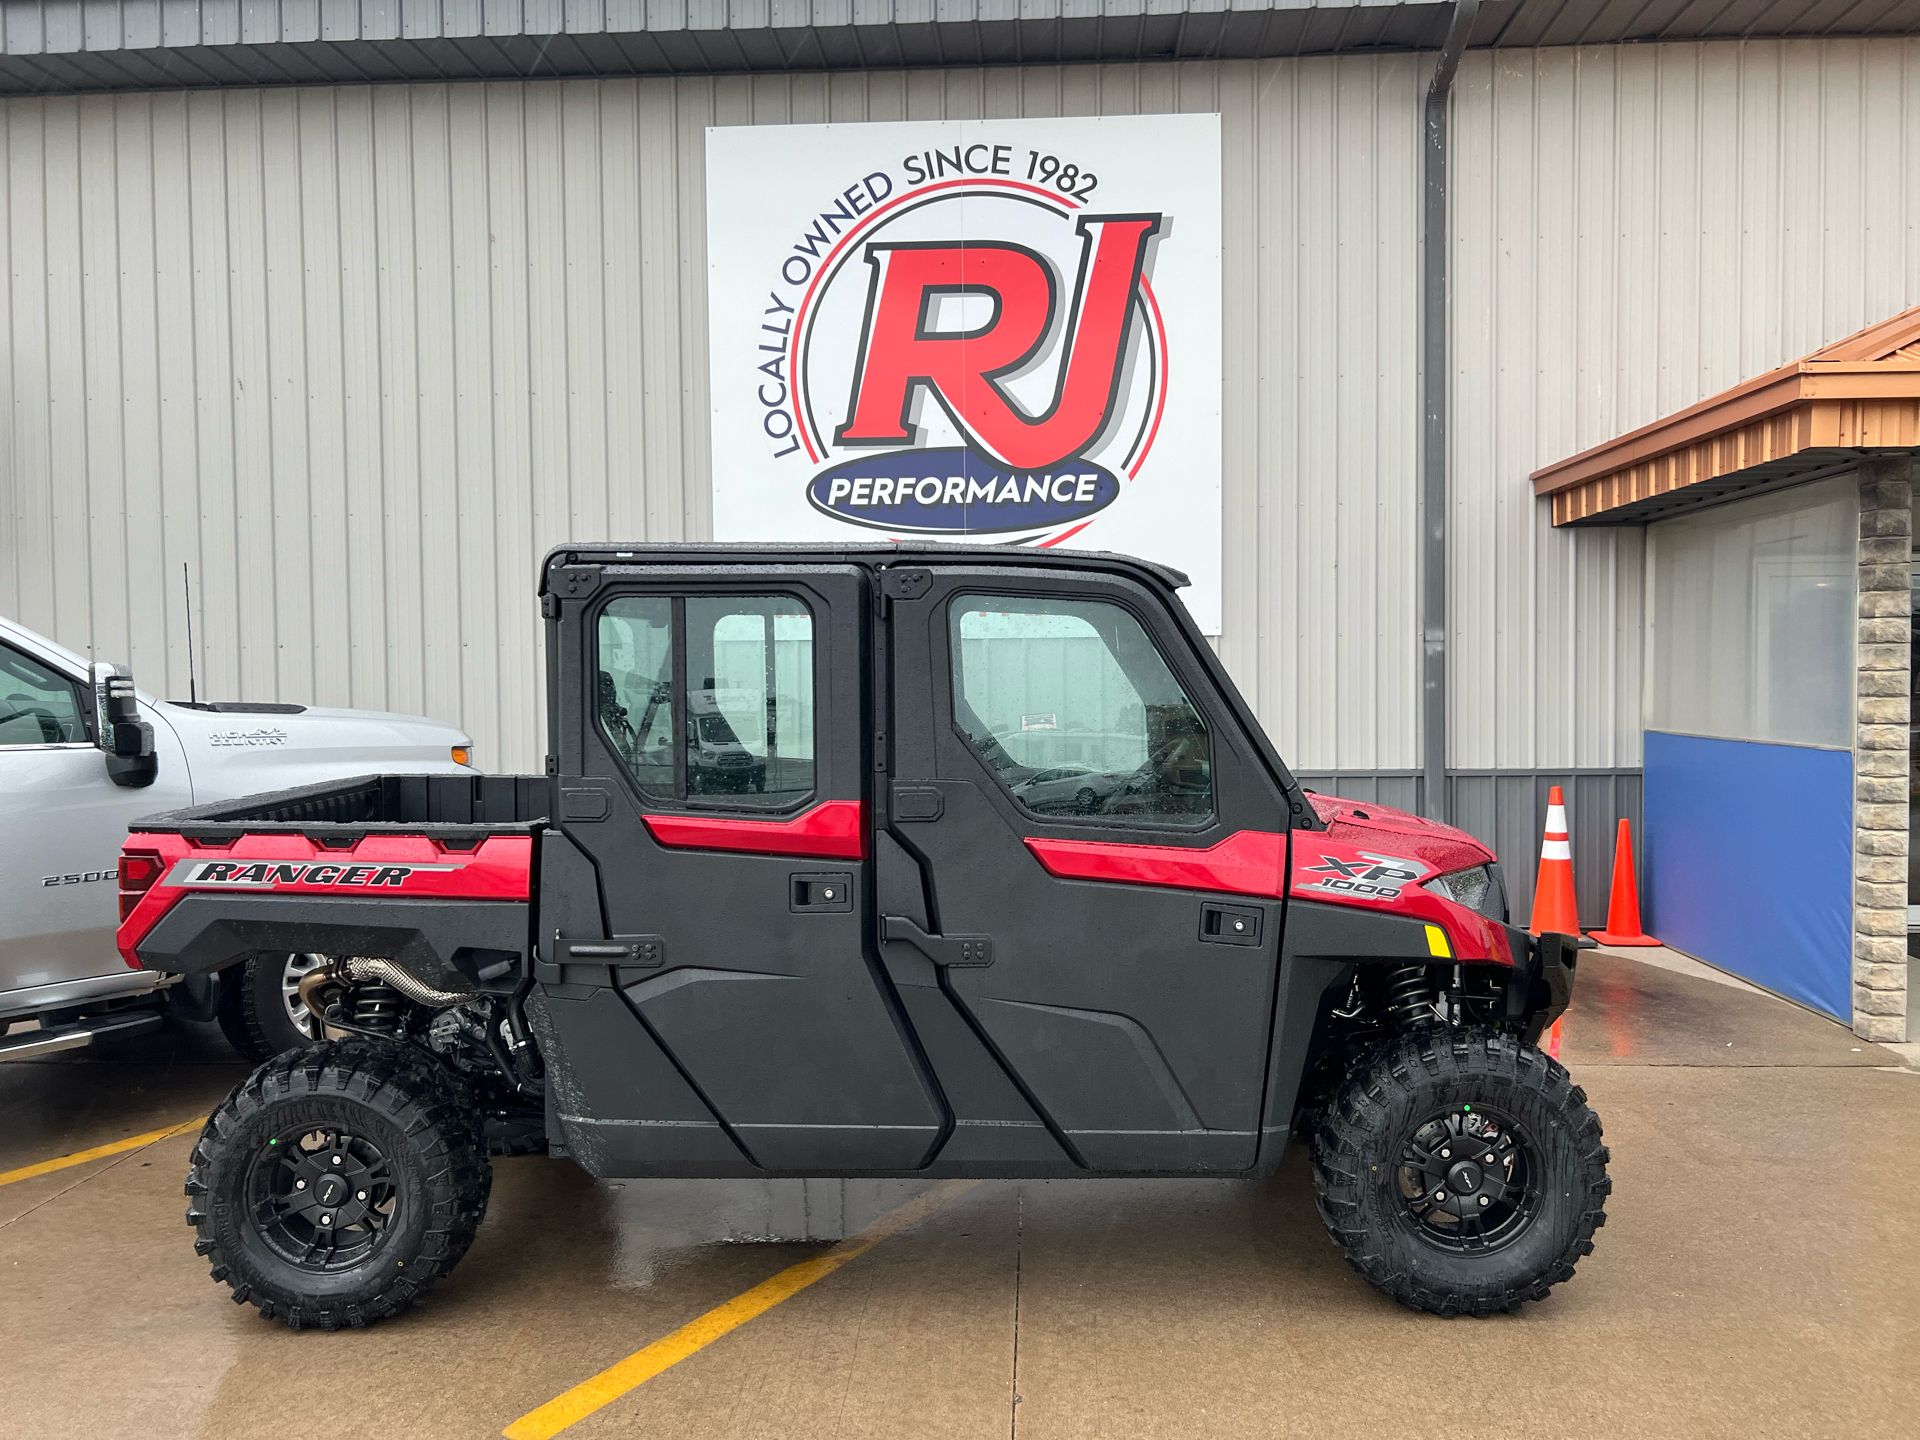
(792, 899)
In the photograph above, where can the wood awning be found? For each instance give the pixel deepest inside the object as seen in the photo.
(1811, 417)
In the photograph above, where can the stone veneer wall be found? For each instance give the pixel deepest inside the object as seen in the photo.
(1880, 752)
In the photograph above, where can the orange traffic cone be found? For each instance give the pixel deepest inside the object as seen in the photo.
(1554, 905)
(1623, 905)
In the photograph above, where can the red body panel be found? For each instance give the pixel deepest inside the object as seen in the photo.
(500, 867)
(1441, 848)
(1247, 862)
(831, 830)
(1370, 857)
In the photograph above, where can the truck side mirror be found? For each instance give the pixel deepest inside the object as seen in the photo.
(119, 731)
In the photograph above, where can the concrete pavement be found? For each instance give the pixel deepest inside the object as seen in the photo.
(1760, 1268)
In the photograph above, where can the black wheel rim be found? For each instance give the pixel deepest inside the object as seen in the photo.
(1468, 1180)
(322, 1197)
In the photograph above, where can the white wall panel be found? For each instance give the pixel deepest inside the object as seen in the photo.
(1636, 228)
(357, 356)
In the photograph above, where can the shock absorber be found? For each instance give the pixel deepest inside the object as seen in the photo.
(1409, 999)
(374, 1005)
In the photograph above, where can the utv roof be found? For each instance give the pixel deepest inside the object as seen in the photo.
(609, 552)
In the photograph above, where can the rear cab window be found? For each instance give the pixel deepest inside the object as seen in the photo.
(708, 700)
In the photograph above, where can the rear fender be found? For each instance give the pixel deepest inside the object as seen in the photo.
(446, 911)
(450, 944)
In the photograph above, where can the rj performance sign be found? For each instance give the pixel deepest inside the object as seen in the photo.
(1002, 330)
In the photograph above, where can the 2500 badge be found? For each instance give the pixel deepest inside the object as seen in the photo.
(81, 877)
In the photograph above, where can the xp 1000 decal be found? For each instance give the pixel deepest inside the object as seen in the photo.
(1003, 331)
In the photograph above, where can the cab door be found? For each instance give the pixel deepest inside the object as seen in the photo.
(1100, 858)
(716, 776)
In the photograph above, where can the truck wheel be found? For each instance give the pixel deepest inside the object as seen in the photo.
(337, 1183)
(259, 1007)
(1461, 1171)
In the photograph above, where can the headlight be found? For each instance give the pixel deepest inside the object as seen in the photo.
(1477, 889)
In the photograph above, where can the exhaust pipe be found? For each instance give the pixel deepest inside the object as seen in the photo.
(316, 985)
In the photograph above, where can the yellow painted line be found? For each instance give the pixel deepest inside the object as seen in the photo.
(663, 1354)
(98, 1152)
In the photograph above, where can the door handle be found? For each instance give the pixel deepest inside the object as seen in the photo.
(830, 890)
(1229, 924)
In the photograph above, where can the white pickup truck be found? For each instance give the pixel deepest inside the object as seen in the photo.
(83, 754)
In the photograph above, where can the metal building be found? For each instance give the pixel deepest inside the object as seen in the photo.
(353, 309)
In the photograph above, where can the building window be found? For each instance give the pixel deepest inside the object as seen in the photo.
(1750, 623)
(1076, 713)
(736, 720)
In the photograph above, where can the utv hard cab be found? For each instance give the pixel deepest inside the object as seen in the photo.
(884, 953)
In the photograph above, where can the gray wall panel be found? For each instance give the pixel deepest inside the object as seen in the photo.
(357, 355)
(1634, 229)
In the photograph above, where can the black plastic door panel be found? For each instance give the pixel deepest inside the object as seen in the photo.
(735, 856)
(1065, 714)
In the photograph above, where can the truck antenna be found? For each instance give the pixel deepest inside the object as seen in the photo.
(193, 682)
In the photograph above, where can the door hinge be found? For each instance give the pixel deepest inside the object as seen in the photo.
(550, 607)
(905, 582)
(954, 951)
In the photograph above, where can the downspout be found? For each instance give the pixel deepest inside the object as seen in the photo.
(1434, 360)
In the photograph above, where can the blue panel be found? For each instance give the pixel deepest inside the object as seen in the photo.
(1749, 861)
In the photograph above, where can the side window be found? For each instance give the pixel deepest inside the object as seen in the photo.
(750, 698)
(38, 706)
(743, 727)
(634, 705)
(1072, 707)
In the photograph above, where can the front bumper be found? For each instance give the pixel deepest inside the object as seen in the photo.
(1542, 983)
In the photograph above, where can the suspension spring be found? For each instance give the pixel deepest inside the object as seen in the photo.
(374, 1005)
(1409, 999)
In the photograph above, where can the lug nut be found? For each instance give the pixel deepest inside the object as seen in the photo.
(1439, 1194)
(326, 1219)
(1489, 1159)
(299, 1184)
(1446, 1154)
(1483, 1199)
(336, 1159)
(360, 1195)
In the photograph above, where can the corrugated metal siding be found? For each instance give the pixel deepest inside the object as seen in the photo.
(356, 356)
(59, 45)
(51, 46)
(1635, 228)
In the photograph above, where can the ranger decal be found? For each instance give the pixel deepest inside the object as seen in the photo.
(264, 874)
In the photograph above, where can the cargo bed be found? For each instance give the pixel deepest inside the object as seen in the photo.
(340, 811)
